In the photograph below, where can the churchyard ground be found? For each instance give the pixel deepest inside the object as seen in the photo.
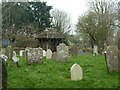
(53, 74)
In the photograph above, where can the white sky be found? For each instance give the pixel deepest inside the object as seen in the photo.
(74, 7)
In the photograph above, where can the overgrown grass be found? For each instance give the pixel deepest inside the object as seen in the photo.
(53, 74)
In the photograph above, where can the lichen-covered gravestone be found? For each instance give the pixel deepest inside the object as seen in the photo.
(34, 56)
(74, 50)
(112, 59)
(62, 52)
(49, 54)
(76, 72)
(95, 50)
(54, 55)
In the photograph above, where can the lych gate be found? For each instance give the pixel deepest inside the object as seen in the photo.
(50, 39)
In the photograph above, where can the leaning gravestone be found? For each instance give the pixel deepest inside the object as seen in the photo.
(112, 59)
(95, 50)
(34, 56)
(54, 55)
(49, 54)
(74, 50)
(76, 72)
(62, 52)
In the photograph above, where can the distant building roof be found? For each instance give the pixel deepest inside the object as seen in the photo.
(50, 33)
(5, 42)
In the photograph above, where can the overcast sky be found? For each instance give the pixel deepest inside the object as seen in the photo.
(74, 7)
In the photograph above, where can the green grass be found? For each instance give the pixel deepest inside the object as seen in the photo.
(53, 74)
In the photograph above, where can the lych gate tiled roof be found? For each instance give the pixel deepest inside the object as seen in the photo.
(50, 33)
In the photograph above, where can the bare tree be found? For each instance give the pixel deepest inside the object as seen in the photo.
(98, 21)
(61, 20)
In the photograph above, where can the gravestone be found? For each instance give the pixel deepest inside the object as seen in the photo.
(22, 53)
(76, 72)
(15, 61)
(95, 50)
(112, 59)
(74, 50)
(86, 52)
(81, 51)
(54, 55)
(5, 58)
(34, 56)
(49, 54)
(62, 52)
(44, 53)
(14, 54)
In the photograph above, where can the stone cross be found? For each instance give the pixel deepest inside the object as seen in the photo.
(49, 54)
(76, 72)
(62, 52)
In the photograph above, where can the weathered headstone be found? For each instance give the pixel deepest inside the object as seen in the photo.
(62, 52)
(112, 59)
(74, 50)
(54, 55)
(76, 72)
(49, 54)
(34, 56)
(81, 51)
(95, 50)
(44, 53)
